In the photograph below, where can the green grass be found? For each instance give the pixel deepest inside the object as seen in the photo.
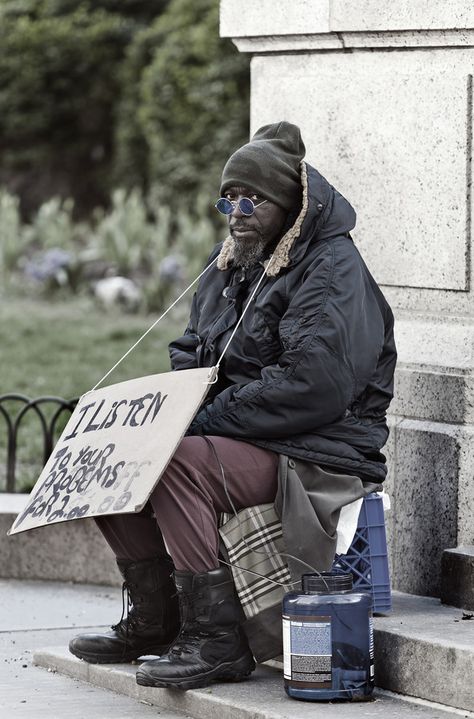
(63, 349)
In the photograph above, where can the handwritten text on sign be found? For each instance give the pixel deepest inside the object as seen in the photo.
(115, 448)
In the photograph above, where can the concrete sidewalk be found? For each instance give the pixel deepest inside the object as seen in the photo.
(38, 618)
(42, 614)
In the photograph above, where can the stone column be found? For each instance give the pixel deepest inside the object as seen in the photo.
(383, 95)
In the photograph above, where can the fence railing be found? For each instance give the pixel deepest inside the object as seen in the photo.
(48, 410)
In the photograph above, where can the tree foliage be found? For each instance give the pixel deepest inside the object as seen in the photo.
(59, 82)
(192, 97)
(105, 93)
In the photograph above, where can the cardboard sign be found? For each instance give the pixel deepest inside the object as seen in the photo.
(115, 448)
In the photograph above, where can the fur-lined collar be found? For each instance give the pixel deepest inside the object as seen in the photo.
(281, 255)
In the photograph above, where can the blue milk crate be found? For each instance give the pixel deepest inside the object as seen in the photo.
(367, 558)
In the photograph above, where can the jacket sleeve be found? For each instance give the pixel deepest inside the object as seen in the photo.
(328, 337)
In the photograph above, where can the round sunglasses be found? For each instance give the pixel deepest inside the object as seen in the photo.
(245, 205)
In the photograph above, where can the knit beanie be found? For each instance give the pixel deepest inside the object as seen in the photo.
(269, 164)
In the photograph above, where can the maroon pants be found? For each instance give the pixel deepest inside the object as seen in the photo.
(184, 507)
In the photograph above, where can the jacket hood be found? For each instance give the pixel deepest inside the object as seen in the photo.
(324, 214)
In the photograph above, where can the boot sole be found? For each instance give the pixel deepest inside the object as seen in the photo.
(235, 671)
(119, 658)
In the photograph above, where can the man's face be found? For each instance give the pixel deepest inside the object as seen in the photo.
(252, 234)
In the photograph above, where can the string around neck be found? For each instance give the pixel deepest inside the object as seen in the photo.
(214, 374)
(254, 292)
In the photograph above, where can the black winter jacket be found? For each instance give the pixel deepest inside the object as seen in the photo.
(310, 371)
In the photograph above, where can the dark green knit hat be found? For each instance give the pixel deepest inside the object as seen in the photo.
(269, 164)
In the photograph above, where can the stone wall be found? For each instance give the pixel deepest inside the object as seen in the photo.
(67, 552)
(383, 95)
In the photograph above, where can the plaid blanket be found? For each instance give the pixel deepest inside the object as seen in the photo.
(254, 541)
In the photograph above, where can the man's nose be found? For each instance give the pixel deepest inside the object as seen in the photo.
(237, 212)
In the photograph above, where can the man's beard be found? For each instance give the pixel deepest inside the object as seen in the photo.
(248, 253)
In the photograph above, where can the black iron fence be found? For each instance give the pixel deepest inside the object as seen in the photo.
(16, 410)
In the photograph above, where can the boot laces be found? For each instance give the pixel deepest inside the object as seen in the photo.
(191, 632)
(127, 620)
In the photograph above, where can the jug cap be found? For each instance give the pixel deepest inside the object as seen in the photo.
(327, 582)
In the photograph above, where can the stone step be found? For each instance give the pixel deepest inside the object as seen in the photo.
(424, 650)
(262, 697)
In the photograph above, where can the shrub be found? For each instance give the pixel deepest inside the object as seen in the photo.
(60, 80)
(97, 94)
(124, 236)
(12, 241)
(54, 226)
(161, 251)
(190, 94)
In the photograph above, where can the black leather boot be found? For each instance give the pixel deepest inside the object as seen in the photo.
(151, 624)
(211, 644)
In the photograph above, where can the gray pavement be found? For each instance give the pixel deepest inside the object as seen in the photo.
(40, 617)
(43, 614)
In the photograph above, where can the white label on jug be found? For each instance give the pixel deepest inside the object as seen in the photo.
(371, 646)
(307, 650)
(371, 639)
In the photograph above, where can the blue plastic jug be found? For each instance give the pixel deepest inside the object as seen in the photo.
(328, 646)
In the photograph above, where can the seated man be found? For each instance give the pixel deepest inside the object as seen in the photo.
(308, 374)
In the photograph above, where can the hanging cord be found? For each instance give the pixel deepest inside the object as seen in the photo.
(244, 541)
(154, 325)
(254, 292)
(214, 375)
